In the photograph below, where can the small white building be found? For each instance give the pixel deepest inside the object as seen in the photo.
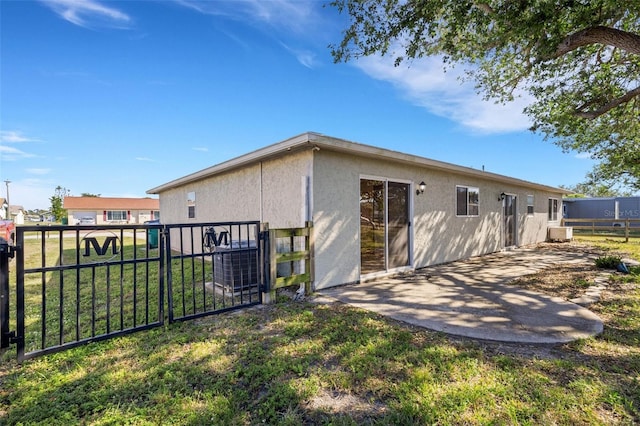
(374, 211)
(16, 214)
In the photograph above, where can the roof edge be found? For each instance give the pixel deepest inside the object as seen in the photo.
(274, 150)
(342, 145)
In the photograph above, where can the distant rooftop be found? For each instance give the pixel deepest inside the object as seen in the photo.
(109, 203)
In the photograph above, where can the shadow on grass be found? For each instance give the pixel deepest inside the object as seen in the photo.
(313, 364)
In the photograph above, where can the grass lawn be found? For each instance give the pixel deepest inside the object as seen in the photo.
(304, 363)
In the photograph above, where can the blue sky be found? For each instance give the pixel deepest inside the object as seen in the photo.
(117, 97)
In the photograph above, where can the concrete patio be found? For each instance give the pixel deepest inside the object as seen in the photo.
(469, 298)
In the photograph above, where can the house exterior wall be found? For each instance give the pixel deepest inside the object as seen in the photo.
(534, 227)
(233, 196)
(439, 235)
(314, 178)
(286, 191)
(272, 192)
(336, 218)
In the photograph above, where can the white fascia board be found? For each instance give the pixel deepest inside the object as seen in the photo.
(276, 150)
(390, 155)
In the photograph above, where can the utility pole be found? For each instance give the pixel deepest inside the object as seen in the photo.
(7, 182)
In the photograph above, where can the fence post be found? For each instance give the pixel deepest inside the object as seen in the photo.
(626, 230)
(270, 265)
(310, 263)
(265, 260)
(6, 253)
(272, 272)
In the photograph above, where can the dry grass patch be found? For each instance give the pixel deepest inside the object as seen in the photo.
(565, 281)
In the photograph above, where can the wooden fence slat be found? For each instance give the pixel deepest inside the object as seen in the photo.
(592, 226)
(290, 280)
(305, 255)
(293, 232)
(292, 256)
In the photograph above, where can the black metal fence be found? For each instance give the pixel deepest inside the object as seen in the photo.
(78, 284)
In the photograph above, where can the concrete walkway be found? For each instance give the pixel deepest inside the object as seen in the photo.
(469, 298)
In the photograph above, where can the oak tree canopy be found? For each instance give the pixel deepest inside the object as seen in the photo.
(579, 59)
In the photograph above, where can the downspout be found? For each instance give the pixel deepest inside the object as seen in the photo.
(310, 184)
(261, 196)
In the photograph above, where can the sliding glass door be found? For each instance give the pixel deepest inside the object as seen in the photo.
(384, 225)
(372, 226)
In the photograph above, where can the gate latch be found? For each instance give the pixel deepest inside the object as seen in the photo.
(11, 337)
(6, 249)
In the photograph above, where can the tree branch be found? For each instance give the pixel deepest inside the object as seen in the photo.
(485, 8)
(623, 40)
(609, 106)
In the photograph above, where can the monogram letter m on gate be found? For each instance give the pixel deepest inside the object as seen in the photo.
(100, 250)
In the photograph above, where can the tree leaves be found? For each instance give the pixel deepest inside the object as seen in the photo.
(579, 59)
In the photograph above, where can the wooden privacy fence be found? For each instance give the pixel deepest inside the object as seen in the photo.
(290, 254)
(613, 227)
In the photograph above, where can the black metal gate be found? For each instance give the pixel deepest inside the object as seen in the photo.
(78, 284)
(212, 268)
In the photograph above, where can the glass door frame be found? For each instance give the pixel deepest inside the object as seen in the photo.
(514, 224)
(410, 232)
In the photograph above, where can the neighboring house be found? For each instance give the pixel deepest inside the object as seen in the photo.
(370, 215)
(105, 210)
(614, 208)
(13, 212)
(16, 213)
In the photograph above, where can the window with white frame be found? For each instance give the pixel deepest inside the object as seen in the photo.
(530, 205)
(467, 201)
(116, 215)
(191, 205)
(553, 209)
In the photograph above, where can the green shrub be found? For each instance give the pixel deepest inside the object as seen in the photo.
(608, 262)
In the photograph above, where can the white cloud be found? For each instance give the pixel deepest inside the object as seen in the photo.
(14, 136)
(41, 171)
(89, 13)
(150, 160)
(9, 153)
(275, 18)
(426, 84)
(292, 15)
(305, 57)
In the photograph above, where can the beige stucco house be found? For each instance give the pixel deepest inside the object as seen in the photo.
(371, 215)
(110, 210)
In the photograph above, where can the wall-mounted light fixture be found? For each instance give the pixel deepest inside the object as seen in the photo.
(421, 188)
(502, 195)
